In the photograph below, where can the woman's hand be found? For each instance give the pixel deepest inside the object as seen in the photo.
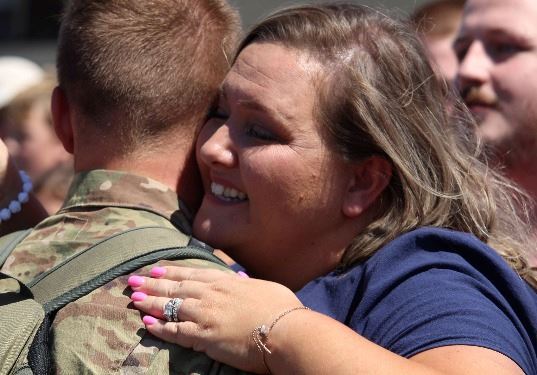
(218, 314)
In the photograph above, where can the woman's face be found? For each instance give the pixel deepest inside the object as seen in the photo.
(273, 190)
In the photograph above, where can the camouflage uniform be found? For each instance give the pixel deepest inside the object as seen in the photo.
(101, 333)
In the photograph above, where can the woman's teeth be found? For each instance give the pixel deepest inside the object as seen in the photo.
(227, 193)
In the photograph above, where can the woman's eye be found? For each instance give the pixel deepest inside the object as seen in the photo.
(258, 132)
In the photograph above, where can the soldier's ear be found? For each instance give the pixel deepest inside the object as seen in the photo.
(61, 117)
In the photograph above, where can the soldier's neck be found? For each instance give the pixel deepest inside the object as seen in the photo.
(177, 171)
(170, 161)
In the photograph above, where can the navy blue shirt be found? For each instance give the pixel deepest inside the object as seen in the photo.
(430, 288)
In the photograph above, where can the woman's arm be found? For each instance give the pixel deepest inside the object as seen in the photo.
(10, 186)
(309, 342)
(220, 313)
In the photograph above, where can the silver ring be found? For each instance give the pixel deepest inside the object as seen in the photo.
(171, 308)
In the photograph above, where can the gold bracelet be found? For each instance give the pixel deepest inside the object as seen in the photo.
(260, 333)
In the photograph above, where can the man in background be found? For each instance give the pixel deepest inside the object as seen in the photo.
(497, 52)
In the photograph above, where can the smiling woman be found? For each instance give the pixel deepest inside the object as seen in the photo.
(274, 154)
(331, 169)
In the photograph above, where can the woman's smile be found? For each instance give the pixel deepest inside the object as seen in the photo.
(227, 194)
(267, 171)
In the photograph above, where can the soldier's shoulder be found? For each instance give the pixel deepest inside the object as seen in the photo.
(103, 332)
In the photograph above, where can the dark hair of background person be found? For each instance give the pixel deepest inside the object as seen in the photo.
(438, 180)
(110, 66)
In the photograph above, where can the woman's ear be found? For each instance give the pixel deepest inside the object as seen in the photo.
(61, 117)
(370, 178)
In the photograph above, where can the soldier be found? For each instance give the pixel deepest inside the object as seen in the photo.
(135, 82)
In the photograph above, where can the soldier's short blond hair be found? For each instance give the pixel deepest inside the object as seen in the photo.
(137, 69)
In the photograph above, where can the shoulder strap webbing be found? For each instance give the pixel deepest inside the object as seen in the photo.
(112, 257)
(10, 241)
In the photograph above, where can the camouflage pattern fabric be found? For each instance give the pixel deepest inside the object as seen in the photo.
(101, 333)
(99, 204)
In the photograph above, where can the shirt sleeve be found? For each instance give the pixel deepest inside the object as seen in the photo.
(417, 298)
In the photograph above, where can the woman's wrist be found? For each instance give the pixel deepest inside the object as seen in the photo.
(273, 339)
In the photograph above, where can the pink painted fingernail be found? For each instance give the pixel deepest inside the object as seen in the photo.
(138, 296)
(158, 271)
(135, 281)
(149, 320)
(242, 274)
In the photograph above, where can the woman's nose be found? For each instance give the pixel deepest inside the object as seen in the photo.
(216, 146)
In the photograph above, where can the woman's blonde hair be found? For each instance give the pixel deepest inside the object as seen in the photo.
(378, 96)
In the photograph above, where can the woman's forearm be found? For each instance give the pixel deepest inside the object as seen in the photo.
(305, 342)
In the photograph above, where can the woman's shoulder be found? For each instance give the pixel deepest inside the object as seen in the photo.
(437, 247)
(430, 247)
(454, 262)
(433, 287)
(422, 251)
(434, 241)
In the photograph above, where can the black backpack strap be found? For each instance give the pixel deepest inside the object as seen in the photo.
(10, 241)
(39, 356)
(112, 257)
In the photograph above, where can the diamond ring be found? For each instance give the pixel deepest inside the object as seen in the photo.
(171, 308)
